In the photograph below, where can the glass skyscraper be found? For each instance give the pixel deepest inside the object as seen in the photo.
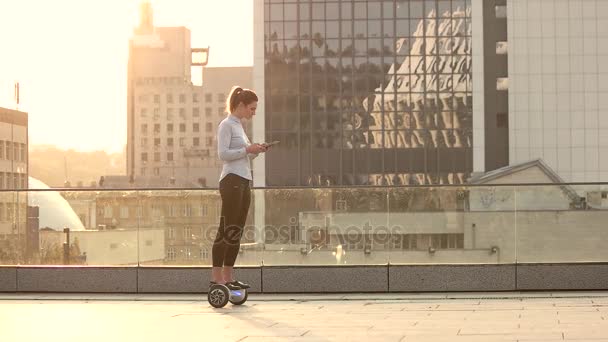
(368, 92)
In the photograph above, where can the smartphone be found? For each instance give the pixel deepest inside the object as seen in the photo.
(271, 143)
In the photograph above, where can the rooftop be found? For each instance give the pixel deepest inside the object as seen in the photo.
(505, 316)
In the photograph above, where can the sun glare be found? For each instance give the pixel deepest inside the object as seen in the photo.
(70, 57)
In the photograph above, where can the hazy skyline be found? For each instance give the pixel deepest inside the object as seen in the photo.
(70, 57)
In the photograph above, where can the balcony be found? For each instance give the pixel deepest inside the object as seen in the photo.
(473, 237)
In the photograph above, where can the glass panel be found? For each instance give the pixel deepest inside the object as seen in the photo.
(561, 223)
(324, 226)
(291, 12)
(82, 228)
(276, 12)
(485, 224)
(451, 225)
(18, 243)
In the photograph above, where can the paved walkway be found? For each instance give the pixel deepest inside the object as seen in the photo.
(558, 316)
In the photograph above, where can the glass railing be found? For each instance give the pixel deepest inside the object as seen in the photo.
(488, 224)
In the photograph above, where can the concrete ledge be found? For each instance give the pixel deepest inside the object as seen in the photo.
(451, 278)
(189, 280)
(8, 279)
(562, 277)
(309, 279)
(77, 279)
(326, 279)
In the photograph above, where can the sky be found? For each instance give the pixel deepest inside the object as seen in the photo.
(70, 58)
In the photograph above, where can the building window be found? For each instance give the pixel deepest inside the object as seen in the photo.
(156, 128)
(1, 149)
(221, 97)
(156, 171)
(144, 142)
(2, 180)
(195, 127)
(455, 241)
(172, 211)
(182, 127)
(501, 11)
(194, 98)
(144, 128)
(187, 233)
(208, 112)
(182, 113)
(124, 212)
(170, 128)
(144, 157)
(156, 98)
(169, 156)
(142, 171)
(171, 253)
(9, 151)
(208, 127)
(220, 111)
(169, 98)
(502, 120)
(341, 205)
(501, 48)
(143, 112)
(209, 141)
(196, 112)
(107, 212)
(170, 142)
(169, 113)
(182, 142)
(156, 142)
(156, 156)
(208, 97)
(196, 141)
(502, 83)
(204, 254)
(171, 233)
(187, 210)
(182, 98)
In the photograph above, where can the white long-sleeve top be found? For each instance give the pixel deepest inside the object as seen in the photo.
(231, 148)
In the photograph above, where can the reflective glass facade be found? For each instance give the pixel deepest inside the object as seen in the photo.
(368, 92)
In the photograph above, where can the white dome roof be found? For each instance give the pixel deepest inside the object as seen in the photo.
(55, 212)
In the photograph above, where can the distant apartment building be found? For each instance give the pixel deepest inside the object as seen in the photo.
(13, 176)
(189, 220)
(172, 122)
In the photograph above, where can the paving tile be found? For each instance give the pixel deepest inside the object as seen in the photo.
(304, 318)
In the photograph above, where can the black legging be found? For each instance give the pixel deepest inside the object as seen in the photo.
(236, 197)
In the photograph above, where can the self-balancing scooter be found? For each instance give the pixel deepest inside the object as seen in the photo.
(219, 295)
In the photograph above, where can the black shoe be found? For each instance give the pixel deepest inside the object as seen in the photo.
(231, 286)
(241, 284)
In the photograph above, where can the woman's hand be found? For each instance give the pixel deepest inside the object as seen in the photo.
(255, 148)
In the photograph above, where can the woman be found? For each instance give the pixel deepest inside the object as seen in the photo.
(236, 151)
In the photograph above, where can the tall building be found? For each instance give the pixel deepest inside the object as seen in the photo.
(383, 92)
(378, 92)
(558, 79)
(172, 122)
(14, 235)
